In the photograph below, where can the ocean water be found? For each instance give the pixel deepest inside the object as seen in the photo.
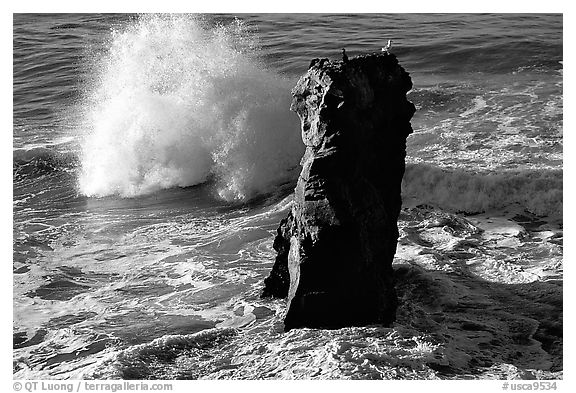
(155, 155)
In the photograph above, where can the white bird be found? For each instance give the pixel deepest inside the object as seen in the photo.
(388, 46)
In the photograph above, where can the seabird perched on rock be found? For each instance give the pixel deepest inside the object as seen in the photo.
(388, 46)
(344, 56)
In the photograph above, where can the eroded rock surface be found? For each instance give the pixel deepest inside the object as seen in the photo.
(335, 248)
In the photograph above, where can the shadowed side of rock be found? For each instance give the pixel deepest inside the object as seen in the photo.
(278, 282)
(335, 249)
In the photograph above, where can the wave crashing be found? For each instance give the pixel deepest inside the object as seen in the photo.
(177, 102)
(537, 191)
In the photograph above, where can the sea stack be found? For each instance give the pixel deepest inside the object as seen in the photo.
(335, 248)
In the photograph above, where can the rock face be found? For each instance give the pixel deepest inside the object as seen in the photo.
(335, 248)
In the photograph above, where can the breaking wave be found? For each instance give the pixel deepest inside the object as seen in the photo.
(40, 161)
(177, 102)
(537, 191)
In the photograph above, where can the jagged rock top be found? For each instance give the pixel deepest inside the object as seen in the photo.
(381, 68)
(344, 92)
(335, 248)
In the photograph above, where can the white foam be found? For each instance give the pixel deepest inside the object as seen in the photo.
(479, 104)
(177, 102)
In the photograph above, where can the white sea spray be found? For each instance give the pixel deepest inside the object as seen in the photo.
(177, 102)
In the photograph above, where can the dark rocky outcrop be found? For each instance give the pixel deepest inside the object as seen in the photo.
(335, 248)
(278, 282)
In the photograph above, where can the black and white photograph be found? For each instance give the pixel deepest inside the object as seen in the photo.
(287, 196)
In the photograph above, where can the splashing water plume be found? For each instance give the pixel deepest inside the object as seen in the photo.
(177, 103)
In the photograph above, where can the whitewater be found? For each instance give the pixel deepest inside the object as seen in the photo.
(155, 155)
(175, 104)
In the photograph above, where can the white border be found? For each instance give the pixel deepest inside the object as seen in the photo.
(261, 6)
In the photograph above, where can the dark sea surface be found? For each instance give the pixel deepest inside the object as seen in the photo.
(155, 155)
